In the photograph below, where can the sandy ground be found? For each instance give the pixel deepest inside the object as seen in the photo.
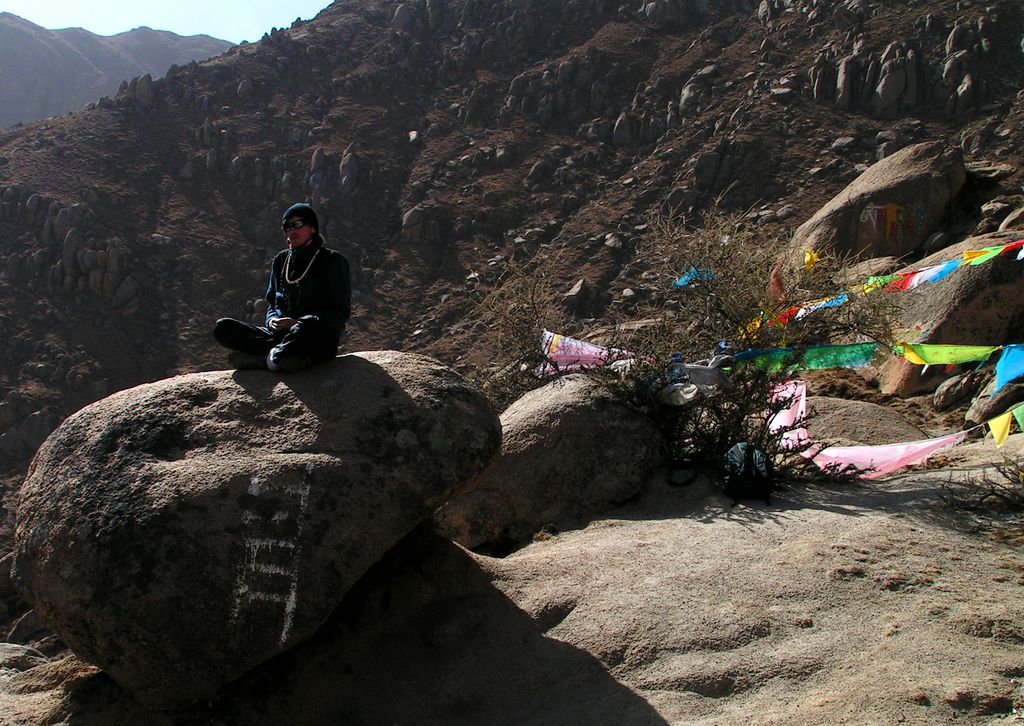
(855, 604)
(864, 604)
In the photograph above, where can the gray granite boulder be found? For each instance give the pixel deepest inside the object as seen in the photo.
(181, 532)
(569, 450)
(974, 305)
(891, 208)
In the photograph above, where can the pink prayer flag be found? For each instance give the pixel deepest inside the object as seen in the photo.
(886, 458)
(570, 354)
(784, 421)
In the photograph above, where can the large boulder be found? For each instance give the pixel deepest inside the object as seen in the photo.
(891, 208)
(181, 532)
(15, 657)
(973, 305)
(569, 450)
(990, 403)
(837, 421)
(959, 389)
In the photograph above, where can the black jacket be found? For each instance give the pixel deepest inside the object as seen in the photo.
(324, 293)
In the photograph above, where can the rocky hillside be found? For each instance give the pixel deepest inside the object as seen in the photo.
(49, 72)
(438, 137)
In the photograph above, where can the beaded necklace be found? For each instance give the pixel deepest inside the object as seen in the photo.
(287, 264)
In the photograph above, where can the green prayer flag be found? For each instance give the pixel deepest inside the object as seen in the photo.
(947, 354)
(817, 357)
(876, 281)
(774, 361)
(986, 254)
(855, 355)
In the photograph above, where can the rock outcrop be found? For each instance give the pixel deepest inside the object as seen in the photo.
(179, 533)
(990, 403)
(976, 305)
(891, 208)
(569, 450)
(836, 421)
(426, 626)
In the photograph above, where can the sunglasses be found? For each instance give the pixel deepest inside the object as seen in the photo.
(297, 224)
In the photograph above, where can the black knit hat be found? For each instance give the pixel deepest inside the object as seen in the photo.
(303, 212)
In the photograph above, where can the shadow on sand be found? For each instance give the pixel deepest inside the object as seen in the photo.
(914, 495)
(425, 638)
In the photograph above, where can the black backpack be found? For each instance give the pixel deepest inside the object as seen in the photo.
(749, 474)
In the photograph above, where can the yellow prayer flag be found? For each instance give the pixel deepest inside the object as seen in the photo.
(908, 352)
(810, 260)
(751, 328)
(1000, 427)
(977, 257)
(932, 355)
(972, 254)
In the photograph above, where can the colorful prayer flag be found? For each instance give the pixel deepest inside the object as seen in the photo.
(876, 281)
(693, 275)
(1010, 365)
(783, 422)
(937, 272)
(569, 354)
(1000, 427)
(928, 354)
(978, 257)
(813, 358)
(901, 283)
(831, 302)
(810, 260)
(881, 460)
(1018, 414)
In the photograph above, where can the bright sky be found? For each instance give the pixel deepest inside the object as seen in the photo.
(231, 20)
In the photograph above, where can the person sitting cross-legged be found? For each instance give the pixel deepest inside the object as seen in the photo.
(310, 300)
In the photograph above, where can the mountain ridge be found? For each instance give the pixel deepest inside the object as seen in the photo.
(46, 72)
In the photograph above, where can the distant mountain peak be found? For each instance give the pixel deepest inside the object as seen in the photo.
(49, 72)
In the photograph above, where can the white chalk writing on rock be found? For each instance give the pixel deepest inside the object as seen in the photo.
(269, 572)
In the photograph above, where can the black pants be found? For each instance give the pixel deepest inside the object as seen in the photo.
(308, 338)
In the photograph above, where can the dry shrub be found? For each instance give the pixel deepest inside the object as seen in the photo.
(522, 303)
(755, 277)
(1002, 492)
